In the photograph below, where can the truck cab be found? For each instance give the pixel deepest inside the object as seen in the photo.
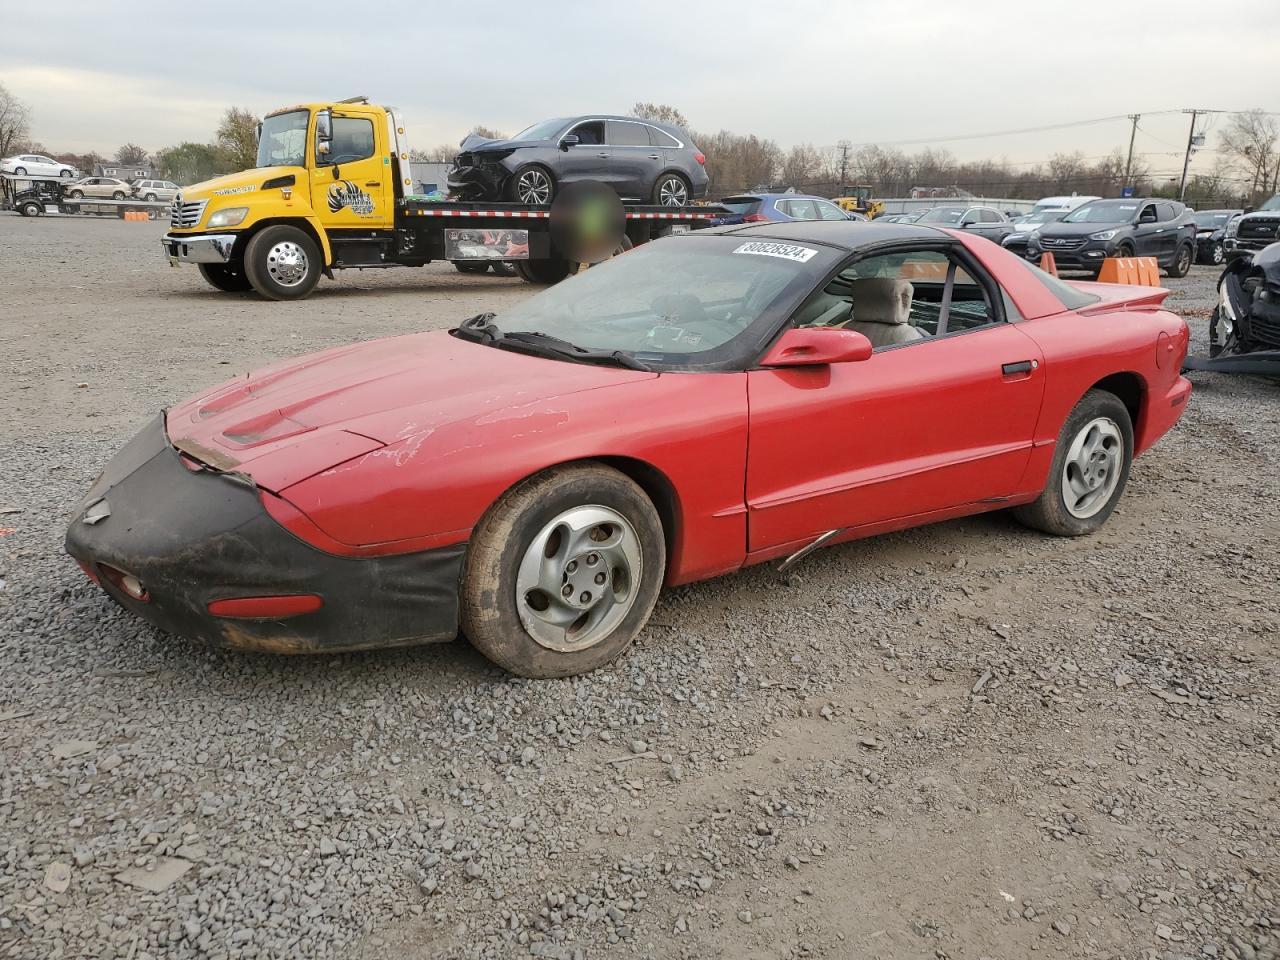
(323, 195)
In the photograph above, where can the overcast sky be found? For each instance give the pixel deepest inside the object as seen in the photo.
(98, 75)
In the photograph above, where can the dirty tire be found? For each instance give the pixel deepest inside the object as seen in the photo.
(76, 194)
(490, 617)
(504, 269)
(1181, 264)
(470, 266)
(1049, 513)
(117, 195)
(31, 210)
(671, 190)
(261, 259)
(543, 272)
(226, 277)
(1123, 251)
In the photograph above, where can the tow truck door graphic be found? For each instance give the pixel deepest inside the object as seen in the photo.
(351, 182)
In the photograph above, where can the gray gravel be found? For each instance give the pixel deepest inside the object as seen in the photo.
(962, 741)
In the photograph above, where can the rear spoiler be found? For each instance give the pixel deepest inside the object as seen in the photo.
(1113, 296)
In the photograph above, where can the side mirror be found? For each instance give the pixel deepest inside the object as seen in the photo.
(568, 141)
(817, 346)
(324, 132)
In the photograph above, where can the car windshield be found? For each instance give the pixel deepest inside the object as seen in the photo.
(540, 131)
(943, 215)
(741, 204)
(1209, 219)
(1272, 204)
(283, 142)
(671, 299)
(1102, 213)
(1038, 216)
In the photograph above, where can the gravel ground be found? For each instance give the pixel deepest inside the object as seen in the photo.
(965, 741)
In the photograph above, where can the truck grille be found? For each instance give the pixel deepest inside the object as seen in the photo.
(183, 216)
(1062, 243)
(1260, 229)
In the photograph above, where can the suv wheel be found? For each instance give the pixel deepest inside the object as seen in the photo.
(1181, 264)
(150, 197)
(532, 185)
(671, 190)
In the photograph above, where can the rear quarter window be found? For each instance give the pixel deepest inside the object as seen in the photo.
(1071, 298)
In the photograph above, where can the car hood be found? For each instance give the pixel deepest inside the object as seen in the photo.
(481, 144)
(246, 181)
(1078, 229)
(287, 422)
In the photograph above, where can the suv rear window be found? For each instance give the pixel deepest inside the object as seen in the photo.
(743, 205)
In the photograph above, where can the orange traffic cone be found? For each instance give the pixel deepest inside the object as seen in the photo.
(1048, 264)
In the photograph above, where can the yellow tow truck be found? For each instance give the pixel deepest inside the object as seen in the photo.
(333, 189)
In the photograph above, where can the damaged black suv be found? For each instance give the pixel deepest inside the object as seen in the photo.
(643, 160)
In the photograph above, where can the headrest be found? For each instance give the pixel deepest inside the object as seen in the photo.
(881, 300)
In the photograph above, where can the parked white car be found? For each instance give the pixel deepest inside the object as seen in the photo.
(155, 189)
(37, 165)
(100, 187)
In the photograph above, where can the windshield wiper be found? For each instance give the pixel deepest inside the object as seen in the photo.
(482, 329)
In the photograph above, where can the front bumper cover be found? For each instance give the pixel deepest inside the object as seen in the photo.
(478, 180)
(191, 537)
(205, 248)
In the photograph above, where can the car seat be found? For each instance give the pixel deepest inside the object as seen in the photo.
(882, 311)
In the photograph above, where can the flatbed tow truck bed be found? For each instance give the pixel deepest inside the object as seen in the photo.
(33, 196)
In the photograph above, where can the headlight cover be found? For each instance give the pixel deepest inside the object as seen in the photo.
(1104, 235)
(1232, 227)
(230, 217)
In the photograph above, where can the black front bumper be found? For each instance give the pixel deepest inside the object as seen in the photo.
(191, 537)
(1088, 256)
(477, 179)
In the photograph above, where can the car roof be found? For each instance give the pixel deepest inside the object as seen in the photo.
(670, 128)
(845, 234)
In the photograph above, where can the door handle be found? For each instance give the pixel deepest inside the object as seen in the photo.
(1021, 366)
(603, 155)
(654, 156)
(373, 183)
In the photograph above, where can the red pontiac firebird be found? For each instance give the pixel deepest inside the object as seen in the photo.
(708, 401)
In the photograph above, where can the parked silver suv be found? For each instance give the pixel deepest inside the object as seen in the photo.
(155, 189)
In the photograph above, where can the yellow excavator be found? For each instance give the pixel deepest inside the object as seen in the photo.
(860, 202)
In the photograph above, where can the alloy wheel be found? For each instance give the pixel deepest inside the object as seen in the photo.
(673, 193)
(1092, 467)
(1218, 254)
(579, 578)
(534, 187)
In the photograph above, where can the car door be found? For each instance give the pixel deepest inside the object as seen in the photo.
(352, 184)
(590, 158)
(1146, 231)
(1167, 230)
(939, 422)
(44, 166)
(636, 162)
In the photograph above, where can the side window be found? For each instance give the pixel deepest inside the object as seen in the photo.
(662, 139)
(590, 133)
(1148, 214)
(990, 216)
(1166, 211)
(900, 298)
(801, 209)
(624, 134)
(829, 211)
(352, 140)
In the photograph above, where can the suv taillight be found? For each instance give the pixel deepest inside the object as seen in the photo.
(700, 157)
(754, 218)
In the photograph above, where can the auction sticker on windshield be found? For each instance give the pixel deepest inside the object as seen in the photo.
(787, 251)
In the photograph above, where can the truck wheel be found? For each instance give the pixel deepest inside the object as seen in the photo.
(543, 272)
(227, 277)
(1089, 471)
(532, 184)
(470, 266)
(671, 190)
(563, 572)
(504, 269)
(30, 209)
(282, 263)
(1181, 265)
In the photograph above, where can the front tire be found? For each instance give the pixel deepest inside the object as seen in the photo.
(227, 277)
(533, 185)
(65, 174)
(543, 272)
(671, 190)
(31, 209)
(1089, 472)
(1181, 264)
(563, 572)
(282, 263)
(470, 266)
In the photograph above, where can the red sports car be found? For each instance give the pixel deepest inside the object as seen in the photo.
(701, 403)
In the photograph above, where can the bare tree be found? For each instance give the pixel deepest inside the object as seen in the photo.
(237, 138)
(440, 153)
(1249, 139)
(487, 132)
(15, 122)
(131, 154)
(661, 112)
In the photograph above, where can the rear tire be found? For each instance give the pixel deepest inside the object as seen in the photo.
(546, 528)
(31, 209)
(1181, 264)
(228, 277)
(282, 263)
(671, 190)
(470, 266)
(543, 272)
(150, 198)
(1086, 480)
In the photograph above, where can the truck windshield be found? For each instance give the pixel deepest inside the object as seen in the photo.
(283, 142)
(1272, 204)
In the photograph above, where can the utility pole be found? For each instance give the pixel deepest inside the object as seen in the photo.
(1128, 164)
(1191, 145)
(844, 166)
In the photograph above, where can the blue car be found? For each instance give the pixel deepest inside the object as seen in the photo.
(759, 207)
